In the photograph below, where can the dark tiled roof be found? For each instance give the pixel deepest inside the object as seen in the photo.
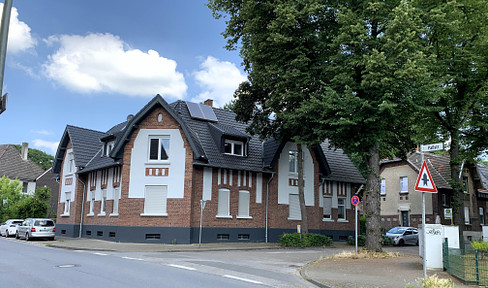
(270, 152)
(483, 173)
(13, 166)
(438, 166)
(341, 167)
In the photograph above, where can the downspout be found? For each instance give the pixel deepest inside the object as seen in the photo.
(82, 205)
(267, 204)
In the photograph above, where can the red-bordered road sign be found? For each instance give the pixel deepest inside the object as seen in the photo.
(354, 200)
(424, 181)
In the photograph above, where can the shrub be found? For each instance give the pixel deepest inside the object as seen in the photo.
(361, 240)
(434, 282)
(481, 246)
(386, 241)
(307, 240)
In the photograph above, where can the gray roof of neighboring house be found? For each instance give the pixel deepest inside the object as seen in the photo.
(438, 166)
(483, 173)
(341, 167)
(13, 166)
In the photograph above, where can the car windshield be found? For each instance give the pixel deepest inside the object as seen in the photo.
(44, 223)
(397, 230)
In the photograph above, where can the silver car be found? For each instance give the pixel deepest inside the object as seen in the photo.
(403, 235)
(36, 228)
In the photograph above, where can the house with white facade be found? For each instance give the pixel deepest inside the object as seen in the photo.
(144, 180)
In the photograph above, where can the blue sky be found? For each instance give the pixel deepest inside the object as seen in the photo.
(91, 63)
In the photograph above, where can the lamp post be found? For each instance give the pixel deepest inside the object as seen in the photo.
(202, 206)
(7, 7)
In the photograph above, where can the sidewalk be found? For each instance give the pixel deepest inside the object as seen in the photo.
(401, 272)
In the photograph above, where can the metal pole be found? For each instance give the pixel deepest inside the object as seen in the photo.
(7, 6)
(202, 206)
(356, 227)
(424, 256)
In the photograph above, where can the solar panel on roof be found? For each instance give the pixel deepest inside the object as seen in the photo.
(199, 111)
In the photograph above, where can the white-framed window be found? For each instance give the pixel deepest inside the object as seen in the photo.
(103, 204)
(465, 185)
(383, 187)
(223, 209)
(115, 209)
(234, 147)
(67, 203)
(327, 208)
(155, 199)
(293, 161)
(466, 215)
(109, 147)
(243, 209)
(404, 184)
(158, 148)
(294, 207)
(92, 203)
(71, 162)
(341, 208)
(25, 185)
(482, 215)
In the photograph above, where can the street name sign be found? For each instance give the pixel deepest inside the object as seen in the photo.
(431, 147)
(424, 181)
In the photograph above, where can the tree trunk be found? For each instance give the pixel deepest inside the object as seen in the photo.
(301, 190)
(373, 208)
(456, 183)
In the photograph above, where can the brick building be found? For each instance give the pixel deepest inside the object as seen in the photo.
(144, 179)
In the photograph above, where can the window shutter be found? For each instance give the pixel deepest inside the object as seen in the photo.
(294, 207)
(155, 200)
(223, 208)
(243, 204)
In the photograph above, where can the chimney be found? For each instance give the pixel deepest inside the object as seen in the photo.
(208, 102)
(25, 149)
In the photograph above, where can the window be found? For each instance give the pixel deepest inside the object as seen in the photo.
(466, 215)
(67, 202)
(243, 237)
(383, 187)
(158, 148)
(115, 210)
(223, 236)
(292, 160)
(155, 200)
(444, 200)
(327, 208)
(109, 147)
(403, 184)
(24, 187)
(103, 205)
(294, 208)
(465, 184)
(153, 236)
(234, 147)
(71, 164)
(482, 216)
(341, 208)
(224, 203)
(243, 209)
(92, 203)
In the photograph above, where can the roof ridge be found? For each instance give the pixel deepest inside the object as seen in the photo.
(88, 129)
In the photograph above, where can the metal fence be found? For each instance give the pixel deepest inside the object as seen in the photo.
(466, 264)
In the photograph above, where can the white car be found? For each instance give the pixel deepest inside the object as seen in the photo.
(9, 228)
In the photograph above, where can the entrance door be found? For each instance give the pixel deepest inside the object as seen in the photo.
(405, 219)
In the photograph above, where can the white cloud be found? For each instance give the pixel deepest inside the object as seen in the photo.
(43, 132)
(53, 146)
(104, 63)
(219, 80)
(19, 34)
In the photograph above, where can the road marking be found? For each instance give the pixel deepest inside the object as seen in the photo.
(130, 258)
(101, 254)
(182, 267)
(242, 279)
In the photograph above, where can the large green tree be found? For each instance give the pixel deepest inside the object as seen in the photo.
(457, 34)
(44, 160)
(10, 196)
(344, 70)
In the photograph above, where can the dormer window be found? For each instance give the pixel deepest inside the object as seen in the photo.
(109, 147)
(158, 148)
(234, 147)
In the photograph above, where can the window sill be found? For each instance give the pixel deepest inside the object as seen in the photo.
(343, 221)
(64, 215)
(162, 162)
(403, 192)
(224, 216)
(327, 220)
(101, 214)
(294, 219)
(154, 214)
(244, 217)
(114, 215)
(90, 215)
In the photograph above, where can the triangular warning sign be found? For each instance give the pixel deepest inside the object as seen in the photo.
(424, 181)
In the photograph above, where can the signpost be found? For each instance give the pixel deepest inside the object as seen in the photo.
(355, 201)
(425, 184)
(202, 204)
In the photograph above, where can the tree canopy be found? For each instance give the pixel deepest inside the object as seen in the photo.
(44, 160)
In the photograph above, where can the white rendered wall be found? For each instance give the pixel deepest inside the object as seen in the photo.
(66, 175)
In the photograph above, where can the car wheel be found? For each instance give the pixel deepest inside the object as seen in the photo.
(417, 243)
(51, 238)
(27, 238)
(17, 235)
(401, 242)
(6, 234)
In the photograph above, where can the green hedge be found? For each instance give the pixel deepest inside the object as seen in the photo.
(307, 240)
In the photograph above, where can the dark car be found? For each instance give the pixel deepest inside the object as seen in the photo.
(403, 235)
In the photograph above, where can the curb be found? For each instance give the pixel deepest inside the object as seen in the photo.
(310, 280)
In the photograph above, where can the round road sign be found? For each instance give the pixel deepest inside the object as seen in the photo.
(355, 200)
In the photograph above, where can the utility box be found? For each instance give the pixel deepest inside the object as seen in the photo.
(485, 233)
(434, 238)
